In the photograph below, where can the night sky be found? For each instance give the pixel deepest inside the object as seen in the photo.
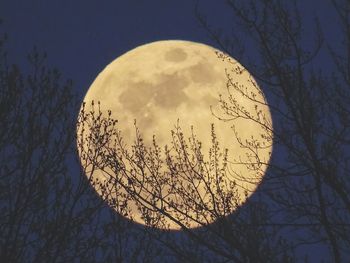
(81, 37)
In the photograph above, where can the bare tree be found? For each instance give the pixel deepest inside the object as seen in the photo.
(39, 212)
(309, 109)
(48, 216)
(48, 210)
(178, 187)
(306, 190)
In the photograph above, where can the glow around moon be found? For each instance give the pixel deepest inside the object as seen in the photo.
(166, 83)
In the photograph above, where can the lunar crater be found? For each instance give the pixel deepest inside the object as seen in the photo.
(204, 73)
(164, 90)
(175, 55)
(169, 90)
(132, 103)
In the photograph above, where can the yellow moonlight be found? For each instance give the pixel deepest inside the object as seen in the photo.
(168, 83)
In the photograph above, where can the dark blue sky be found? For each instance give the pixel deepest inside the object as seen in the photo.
(81, 37)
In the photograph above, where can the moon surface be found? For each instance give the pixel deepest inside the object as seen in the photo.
(173, 82)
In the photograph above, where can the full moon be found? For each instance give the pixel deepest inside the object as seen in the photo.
(165, 84)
